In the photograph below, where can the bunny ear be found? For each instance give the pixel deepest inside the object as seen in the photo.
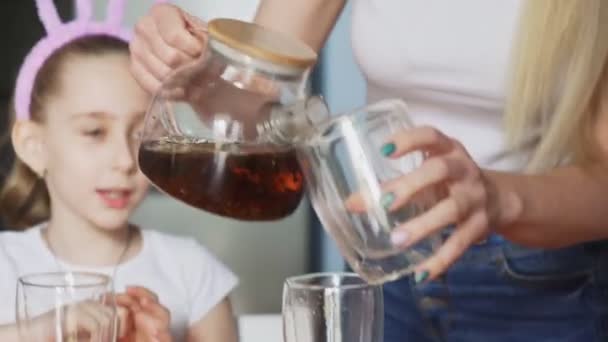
(116, 12)
(47, 12)
(84, 10)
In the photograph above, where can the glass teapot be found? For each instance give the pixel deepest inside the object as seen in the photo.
(201, 141)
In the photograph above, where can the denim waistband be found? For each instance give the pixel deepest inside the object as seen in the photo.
(495, 247)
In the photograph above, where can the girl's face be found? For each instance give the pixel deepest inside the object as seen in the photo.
(90, 138)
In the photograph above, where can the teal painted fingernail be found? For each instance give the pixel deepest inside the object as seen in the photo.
(388, 149)
(387, 200)
(421, 276)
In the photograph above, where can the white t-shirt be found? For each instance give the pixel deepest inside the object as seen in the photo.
(187, 278)
(448, 60)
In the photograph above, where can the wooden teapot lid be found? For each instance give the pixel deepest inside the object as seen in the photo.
(262, 43)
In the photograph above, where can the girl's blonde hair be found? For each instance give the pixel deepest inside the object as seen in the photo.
(559, 75)
(24, 198)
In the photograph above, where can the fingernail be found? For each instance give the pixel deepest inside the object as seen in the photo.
(421, 276)
(399, 238)
(388, 149)
(387, 200)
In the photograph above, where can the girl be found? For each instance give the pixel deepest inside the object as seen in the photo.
(464, 67)
(76, 182)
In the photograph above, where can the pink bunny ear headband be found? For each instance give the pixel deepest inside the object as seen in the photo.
(59, 34)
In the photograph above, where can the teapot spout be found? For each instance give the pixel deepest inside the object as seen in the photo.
(288, 125)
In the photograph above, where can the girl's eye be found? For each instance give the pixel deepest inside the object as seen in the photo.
(94, 133)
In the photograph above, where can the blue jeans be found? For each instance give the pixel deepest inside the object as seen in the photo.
(499, 292)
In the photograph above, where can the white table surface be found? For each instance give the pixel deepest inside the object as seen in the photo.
(258, 328)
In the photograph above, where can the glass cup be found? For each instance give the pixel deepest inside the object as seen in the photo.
(346, 175)
(332, 307)
(66, 307)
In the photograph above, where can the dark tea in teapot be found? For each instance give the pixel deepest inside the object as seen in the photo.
(242, 182)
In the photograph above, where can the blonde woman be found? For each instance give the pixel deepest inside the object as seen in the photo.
(511, 98)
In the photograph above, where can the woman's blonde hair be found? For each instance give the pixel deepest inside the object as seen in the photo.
(559, 74)
(24, 198)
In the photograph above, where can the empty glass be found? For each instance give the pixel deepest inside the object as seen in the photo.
(346, 173)
(66, 307)
(332, 307)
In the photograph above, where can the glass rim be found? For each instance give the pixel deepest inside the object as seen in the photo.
(372, 112)
(297, 282)
(92, 280)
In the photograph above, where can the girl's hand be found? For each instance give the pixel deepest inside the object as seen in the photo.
(469, 203)
(86, 320)
(142, 318)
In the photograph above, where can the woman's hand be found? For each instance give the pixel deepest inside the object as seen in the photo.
(467, 200)
(166, 38)
(142, 317)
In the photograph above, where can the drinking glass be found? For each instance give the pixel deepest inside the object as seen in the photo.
(66, 307)
(332, 307)
(346, 176)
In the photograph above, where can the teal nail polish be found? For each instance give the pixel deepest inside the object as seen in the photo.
(388, 149)
(421, 276)
(387, 200)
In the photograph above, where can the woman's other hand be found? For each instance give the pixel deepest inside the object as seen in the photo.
(467, 200)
